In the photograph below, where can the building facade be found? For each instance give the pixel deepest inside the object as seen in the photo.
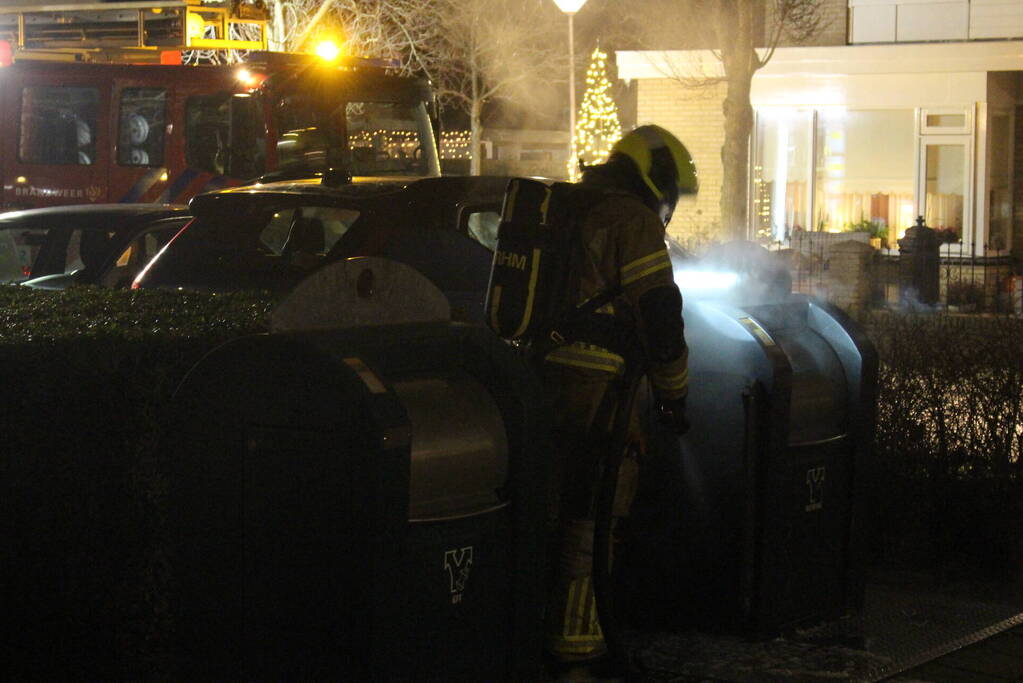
(916, 108)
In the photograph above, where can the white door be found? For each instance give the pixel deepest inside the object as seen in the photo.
(945, 186)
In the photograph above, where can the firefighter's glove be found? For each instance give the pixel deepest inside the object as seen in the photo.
(672, 414)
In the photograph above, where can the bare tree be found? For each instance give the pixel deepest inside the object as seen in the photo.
(488, 49)
(735, 25)
(743, 35)
(386, 29)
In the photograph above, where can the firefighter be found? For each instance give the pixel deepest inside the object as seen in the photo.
(623, 243)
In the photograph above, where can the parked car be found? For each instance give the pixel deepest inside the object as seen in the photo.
(100, 244)
(270, 236)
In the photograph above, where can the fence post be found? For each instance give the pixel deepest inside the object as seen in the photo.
(850, 274)
(919, 264)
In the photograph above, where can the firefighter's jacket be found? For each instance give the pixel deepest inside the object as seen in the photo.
(623, 244)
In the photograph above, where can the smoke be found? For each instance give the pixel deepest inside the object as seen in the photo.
(909, 300)
(741, 273)
(695, 281)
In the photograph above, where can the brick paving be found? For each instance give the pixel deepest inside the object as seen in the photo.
(998, 659)
(904, 635)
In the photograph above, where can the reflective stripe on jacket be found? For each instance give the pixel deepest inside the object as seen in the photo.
(624, 245)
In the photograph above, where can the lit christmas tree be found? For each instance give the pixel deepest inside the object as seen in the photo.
(597, 127)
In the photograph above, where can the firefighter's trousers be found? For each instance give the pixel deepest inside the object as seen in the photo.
(583, 404)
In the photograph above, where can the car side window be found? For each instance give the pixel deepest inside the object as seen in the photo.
(86, 249)
(335, 222)
(309, 230)
(139, 252)
(275, 234)
(141, 127)
(18, 251)
(482, 226)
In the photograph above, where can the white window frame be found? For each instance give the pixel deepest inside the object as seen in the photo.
(965, 129)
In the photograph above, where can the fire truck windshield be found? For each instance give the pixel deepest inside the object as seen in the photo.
(365, 138)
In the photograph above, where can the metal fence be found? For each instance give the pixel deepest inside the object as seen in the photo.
(990, 281)
(968, 282)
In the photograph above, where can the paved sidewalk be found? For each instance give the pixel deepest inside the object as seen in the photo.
(998, 659)
(902, 635)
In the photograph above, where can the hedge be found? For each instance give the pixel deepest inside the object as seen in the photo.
(86, 374)
(949, 447)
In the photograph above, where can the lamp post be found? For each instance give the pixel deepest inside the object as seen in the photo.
(570, 7)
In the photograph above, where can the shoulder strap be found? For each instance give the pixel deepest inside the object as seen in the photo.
(586, 200)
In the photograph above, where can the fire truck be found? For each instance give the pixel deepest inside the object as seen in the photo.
(96, 105)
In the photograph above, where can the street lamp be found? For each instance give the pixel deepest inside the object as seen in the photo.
(570, 7)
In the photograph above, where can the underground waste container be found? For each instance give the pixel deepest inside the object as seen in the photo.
(761, 504)
(359, 504)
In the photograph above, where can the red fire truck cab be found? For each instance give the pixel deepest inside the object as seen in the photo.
(81, 132)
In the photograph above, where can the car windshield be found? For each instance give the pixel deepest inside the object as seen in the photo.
(383, 138)
(260, 248)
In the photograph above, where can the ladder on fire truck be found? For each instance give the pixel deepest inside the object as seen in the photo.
(135, 31)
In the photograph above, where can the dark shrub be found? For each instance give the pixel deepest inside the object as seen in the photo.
(949, 441)
(86, 373)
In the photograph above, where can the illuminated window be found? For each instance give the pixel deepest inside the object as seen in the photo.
(781, 173)
(864, 172)
(833, 170)
(944, 186)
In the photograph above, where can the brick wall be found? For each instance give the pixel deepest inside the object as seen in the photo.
(694, 115)
(850, 277)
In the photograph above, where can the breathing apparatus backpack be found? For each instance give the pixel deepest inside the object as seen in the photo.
(534, 277)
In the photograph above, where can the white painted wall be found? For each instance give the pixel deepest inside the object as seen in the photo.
(922, 21)
(872, 23)
(896, 91)
(996, 18)
(846, 59)
(885, 21)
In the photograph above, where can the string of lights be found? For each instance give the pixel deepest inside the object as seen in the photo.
(454, 144)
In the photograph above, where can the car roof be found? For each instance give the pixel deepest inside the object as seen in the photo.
(432, 190)
(88, 215)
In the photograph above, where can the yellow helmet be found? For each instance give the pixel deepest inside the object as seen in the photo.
(663, 163)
